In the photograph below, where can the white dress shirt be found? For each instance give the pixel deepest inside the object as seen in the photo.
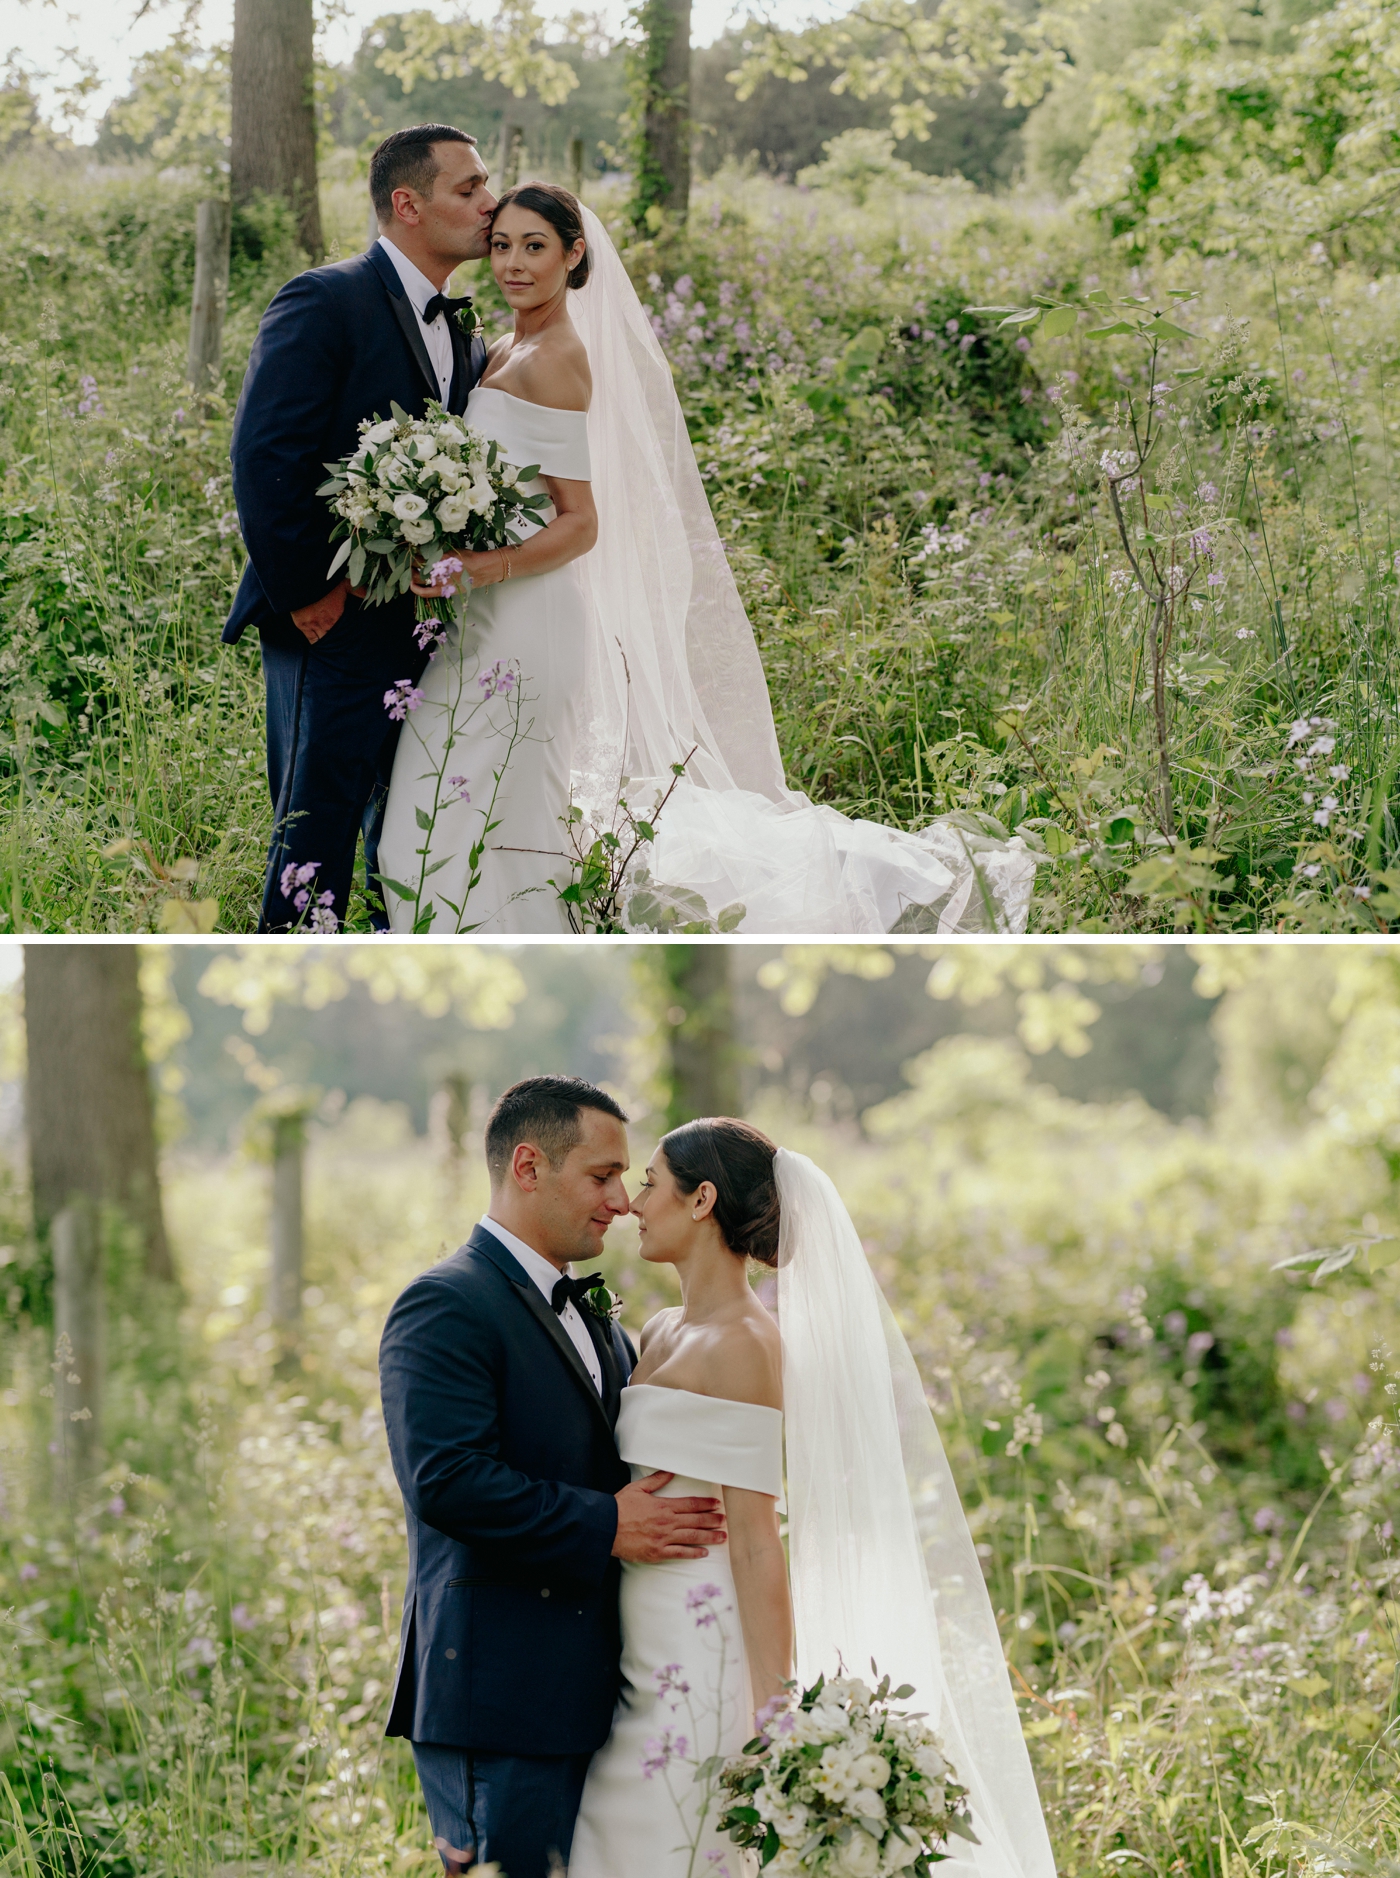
(436, 337)
(546, 1275)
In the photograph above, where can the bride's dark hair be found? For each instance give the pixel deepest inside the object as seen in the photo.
(737, 1160)
(560, 210)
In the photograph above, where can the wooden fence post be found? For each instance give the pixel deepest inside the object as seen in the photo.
(511, 136)
(288, 1156)
(210, 292)
(80, 1315)
(576, 166)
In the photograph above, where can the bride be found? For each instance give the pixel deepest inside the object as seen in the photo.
(611, 644)
(882, 1563)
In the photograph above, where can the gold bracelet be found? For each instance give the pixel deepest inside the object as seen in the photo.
(505, 563)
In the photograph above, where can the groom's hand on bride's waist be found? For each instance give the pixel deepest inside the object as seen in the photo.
(650, 1529)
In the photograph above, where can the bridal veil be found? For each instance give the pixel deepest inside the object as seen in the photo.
(672, 667)
(882, 1561)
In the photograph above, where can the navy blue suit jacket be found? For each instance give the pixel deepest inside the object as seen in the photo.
(505, 1455)
(337, 345)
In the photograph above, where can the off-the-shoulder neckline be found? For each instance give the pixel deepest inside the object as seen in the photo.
(695, 1396)
(558, 410)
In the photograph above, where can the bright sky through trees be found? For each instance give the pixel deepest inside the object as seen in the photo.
(37, 31)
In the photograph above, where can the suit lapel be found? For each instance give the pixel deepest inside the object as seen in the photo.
(533, 1300)
(405, 315)
(601, 1335)
(408, 319)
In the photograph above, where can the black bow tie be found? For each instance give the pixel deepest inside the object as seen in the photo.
(441, 304)
(573, 1290)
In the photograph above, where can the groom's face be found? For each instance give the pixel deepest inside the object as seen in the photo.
(578, 1200)
(456, 217)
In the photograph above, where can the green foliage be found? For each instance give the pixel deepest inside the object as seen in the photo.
(1229, 136)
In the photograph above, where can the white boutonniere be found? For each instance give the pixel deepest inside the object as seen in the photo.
(604, 1304)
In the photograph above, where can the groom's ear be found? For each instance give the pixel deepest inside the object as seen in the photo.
(526, 1162)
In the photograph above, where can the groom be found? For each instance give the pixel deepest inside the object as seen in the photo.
(339, 344)
(500, 1384)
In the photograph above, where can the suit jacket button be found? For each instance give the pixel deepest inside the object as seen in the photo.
(451, 1656)
(545, 1592)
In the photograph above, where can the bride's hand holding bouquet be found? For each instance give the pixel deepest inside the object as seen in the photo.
(429, 491)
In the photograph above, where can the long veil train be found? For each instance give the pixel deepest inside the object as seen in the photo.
(882, 1560)
(664, 613)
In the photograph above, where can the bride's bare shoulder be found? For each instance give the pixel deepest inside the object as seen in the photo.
(745, 1361)
(555, 371)
(656, 1324)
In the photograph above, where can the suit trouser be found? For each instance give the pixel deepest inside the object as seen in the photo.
(330, 750)
(518, 1809)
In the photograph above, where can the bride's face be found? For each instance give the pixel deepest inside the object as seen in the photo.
(528, 258)
(667, 1219)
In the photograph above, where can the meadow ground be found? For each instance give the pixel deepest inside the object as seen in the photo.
(913, 500)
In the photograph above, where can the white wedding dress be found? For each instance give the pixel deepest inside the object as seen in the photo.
(637, 657)
(537, 626)
(680, 1624)
(881, 1561)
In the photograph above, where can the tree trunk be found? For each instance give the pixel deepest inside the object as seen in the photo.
(704, 1059)
(91, 1117)
(288, 1152)
(273, 145)
(79, 1321)
(663, 108)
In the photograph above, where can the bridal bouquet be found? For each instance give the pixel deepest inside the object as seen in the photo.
(421, 489)
(843, 1785)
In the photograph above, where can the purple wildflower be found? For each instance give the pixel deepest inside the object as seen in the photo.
(116, 1506)
(1217, 579)
(294, 876)
(1207, 493)
(499, 680)
(660, 1752)
(27, 1571)
(1202, 542)
(404, 697)
(701, 1602)
(239, 1617)
(443, 575)
(457, 785)
(429, 633)
(90, 403)
(670, 1681)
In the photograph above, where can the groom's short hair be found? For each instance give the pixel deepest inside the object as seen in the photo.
(405, 160)
(543, 1110)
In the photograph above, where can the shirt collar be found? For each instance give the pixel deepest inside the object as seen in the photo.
(416, 284)
(543, 1271)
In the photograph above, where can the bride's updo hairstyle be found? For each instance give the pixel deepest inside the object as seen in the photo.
(560, 210)
(737, 1160)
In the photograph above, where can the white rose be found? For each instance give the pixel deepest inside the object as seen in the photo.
(899, 1853)
(872, 1770)
(409, 507)
(385, 504)
(417, 532)
(510, 475)
(860, 1856)
(453, 512)
(481, 497)
(381, 432)
(929, 1762)
(866, 1803)
(784, 1865)
(825, 1719)
(451, 436)
(447, 470)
